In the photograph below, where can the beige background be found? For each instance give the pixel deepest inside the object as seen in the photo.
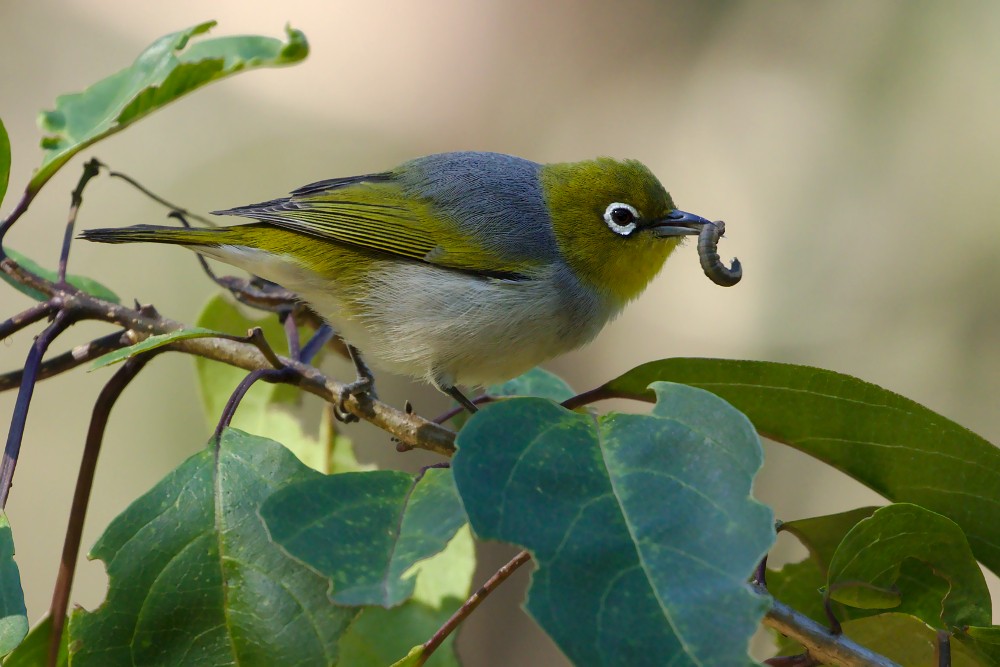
(852, 148)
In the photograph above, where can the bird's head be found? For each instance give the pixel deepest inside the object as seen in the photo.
(614, 223)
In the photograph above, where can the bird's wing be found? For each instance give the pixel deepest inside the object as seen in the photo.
(374, 212)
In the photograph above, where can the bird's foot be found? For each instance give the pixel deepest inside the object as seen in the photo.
(363, 385)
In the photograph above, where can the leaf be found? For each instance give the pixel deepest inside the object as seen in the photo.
(642, 526)
(869, 559)
(891, 444)
(823, 534)
(366, 530)
(13, 615)
(193, 578)
(151, 343)
(34, 650)
(906, 640)
(4, 161)
(536, 382)
(161, 74)
(82, 283)
(380, 636)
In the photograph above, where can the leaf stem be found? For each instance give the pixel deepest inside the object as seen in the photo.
(470, 605)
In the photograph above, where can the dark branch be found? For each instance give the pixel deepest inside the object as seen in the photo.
(81, 495)
(80, 354)
(27, 317)
(90, 169)
(20, 416)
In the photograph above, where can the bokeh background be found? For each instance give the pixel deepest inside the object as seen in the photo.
(852, 147)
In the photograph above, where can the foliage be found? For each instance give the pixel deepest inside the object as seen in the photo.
(272, 545)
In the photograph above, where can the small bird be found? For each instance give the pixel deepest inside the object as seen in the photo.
(463, 268)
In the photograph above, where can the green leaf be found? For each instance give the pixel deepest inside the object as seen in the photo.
(82, 283)
(536, 382)
(823, 534)
(151, 343)
(193, 578)
(906, 640)
(891, 444)
(865, 570)
(380, 636)
(13, 615)
(161, 74)
(34, 650)
(4, 161)
(642, 526)
(366, 530)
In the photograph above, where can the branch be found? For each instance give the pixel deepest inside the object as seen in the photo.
(70, 359)
(81, 495)
(141, 323)
(819, 642)
(470, 605)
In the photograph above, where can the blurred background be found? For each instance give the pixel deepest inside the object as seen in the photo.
(851, 147)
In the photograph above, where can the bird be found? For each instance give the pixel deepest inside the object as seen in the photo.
(461, 268)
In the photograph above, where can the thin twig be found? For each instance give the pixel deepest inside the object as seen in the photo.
(81, 495)
(818, 641)
(27, 317)
(90, 169)
(470, 605)
(70, 359)
(229, 411)
(20, 415)
(482, 399)
(158, 199)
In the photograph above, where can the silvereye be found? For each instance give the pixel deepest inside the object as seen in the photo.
(460, 268)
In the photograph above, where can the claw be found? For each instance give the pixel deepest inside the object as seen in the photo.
(363, 385)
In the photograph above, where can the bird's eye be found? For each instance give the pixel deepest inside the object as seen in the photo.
(621, 218)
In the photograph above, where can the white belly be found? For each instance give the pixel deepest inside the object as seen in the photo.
(444, 326)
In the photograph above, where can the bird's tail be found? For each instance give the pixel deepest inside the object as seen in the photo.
(159, 234)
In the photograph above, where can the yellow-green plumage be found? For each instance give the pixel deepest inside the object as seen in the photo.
(460, 268)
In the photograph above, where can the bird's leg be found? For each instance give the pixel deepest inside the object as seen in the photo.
(363, 384)
(462, 399)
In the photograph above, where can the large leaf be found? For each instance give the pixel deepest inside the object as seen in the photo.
(893, 445)
(82, 283)
(34, 650)
(13, 615)
(4, 161)
(865, 570)
(193, 578)
(642, 526)
(380, 636)
(366, 530)
(168, 69)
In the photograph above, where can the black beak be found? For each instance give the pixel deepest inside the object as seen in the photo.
(678, 223)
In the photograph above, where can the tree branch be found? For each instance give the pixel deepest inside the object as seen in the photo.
(819, 642)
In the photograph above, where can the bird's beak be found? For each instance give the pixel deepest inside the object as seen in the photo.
(678, 223)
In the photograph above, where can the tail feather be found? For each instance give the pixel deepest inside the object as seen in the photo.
(157, 234)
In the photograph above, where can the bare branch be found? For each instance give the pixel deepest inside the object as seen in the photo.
(90, 169)
(820, 643)
(27, 317)
(470, 605)
(81, 495)
(69, 360)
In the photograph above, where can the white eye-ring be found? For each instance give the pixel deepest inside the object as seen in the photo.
(621, 218)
